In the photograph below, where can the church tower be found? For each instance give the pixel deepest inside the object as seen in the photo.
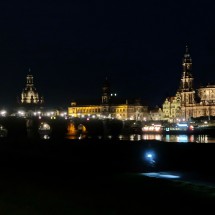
(105, 106)
(106, 92)
(186, 86)
(29, 95)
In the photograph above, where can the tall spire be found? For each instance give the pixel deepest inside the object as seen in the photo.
(186, 86)
(187, 62)
(186, 52)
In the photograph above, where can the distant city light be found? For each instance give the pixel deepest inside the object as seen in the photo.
(3, 113)
(182, 125)
(63, 114)
(21, 113)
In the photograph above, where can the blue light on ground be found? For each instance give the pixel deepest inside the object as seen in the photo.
(160, 175)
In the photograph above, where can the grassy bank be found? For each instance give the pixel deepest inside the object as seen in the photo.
(131, 194)
(97, 177)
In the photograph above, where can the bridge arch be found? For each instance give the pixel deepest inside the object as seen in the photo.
(3, 131)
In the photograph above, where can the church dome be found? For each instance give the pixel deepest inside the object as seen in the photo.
(29, 94)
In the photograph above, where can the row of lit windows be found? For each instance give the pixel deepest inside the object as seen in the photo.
(206, 91)
(80, 110)
(202, 112)
(118, 110)
(98, 110)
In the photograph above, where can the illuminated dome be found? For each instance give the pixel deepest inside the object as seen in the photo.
(29, 94)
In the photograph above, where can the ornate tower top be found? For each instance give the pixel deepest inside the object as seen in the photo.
(29, 82)
(187, 77)
(186, 86)
(187, 63)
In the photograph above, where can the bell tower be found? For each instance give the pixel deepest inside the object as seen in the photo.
(106, 92)
(186, 85)
(105, 111)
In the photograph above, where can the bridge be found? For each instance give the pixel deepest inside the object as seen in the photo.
(34, 127)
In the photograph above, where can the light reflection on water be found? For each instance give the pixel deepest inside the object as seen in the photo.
(183, 138)
(170, 138)
(159, 137)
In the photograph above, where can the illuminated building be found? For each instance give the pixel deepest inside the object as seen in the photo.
(110, 107)
(30, 103)
(155, 114)
(184, 104)
(29, 94)
(172, 108)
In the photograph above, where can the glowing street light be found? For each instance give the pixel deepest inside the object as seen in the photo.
(21, 113)
(3, 112)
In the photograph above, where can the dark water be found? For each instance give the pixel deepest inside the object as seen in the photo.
(98, 154)
(183, 138)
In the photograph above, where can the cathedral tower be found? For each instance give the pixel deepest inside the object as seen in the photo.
(105, 107)
(106, 92)
(186, 86)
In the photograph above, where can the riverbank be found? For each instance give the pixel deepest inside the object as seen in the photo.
(119, 194)
(61, 176)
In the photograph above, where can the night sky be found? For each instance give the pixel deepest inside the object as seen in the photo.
(71, 46)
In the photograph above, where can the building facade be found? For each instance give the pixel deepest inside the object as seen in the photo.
(110, 107)
(29, 94)
(189, 103)
(155, 114)
(172, 108)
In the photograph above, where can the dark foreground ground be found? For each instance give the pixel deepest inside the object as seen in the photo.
(101, 177)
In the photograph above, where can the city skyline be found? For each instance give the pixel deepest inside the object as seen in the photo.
(72, 46)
